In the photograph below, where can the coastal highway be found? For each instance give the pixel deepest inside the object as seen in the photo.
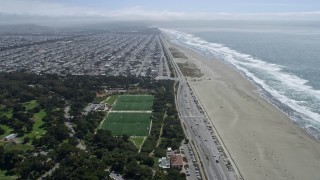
(198, 129)
(200, 133)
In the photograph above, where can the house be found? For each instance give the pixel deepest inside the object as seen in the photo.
(176, 161)
(164, 163)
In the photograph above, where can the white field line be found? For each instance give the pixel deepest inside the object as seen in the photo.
(115, 111)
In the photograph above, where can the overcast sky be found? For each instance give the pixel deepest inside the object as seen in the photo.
(165, 9)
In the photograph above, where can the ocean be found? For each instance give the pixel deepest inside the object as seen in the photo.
(281, 59)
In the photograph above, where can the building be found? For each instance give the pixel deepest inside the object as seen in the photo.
(169, 152)
(176, 161)
(172, 160)
(164, 163)
(10, 137)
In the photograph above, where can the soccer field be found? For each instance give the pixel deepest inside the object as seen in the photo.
(132, 106)
(132, 124)
(133, 103)
(135, 98)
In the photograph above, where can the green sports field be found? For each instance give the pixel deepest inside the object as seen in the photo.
(132, 124)
(132, 106)
(135, 98)
(133, 103)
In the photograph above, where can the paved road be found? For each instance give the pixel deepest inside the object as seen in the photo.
(69, 125)
(193, 169)
(198, 130)
(164, 63)
(49, 173)
(116, 176)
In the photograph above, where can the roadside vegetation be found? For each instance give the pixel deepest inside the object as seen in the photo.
(190, 70)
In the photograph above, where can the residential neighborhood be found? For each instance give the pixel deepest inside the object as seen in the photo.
(108, 53)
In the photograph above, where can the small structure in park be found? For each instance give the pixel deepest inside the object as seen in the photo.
(172, 160)
(176, 161)
(10, 137)
(169, 152)
(164, 163)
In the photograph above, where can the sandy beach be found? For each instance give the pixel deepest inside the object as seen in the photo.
(262, 141)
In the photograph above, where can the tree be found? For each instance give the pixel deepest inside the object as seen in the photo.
(33, 167)
(159, 152)
(65, 149)
(2, 131)
(26, 140)
(125, 138)
(1, 155)
(159, 175)
(10, 159)
(175, 174)
(149, 161)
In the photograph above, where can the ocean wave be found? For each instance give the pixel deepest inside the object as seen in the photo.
(290, 93)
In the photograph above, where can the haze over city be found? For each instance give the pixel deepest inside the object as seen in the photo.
(160, 89)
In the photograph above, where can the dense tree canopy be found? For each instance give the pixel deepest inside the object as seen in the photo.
(25, 97)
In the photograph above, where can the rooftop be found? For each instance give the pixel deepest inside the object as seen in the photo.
(176, 160)
(164, 163)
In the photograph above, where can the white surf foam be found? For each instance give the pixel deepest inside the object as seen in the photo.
(287, 88)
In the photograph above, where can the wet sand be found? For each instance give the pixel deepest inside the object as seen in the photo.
(262, 141)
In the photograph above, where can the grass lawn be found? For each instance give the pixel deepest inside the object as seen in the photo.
(6, 113)
(132, 124)
(137, 141)
(37, 130)
(11, 146)
(7, 129)
(156, 165)
(132, 106)
(31, 104)
(107, 99)
(22, 147)
(111, 99)
(133, 103)
(4, 177)
(135, 98)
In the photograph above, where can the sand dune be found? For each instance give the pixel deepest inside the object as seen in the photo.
(262, 141)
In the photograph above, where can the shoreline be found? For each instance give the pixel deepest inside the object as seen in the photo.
(263, 149)
(264, 94)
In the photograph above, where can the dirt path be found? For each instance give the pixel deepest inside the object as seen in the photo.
(159, 139)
